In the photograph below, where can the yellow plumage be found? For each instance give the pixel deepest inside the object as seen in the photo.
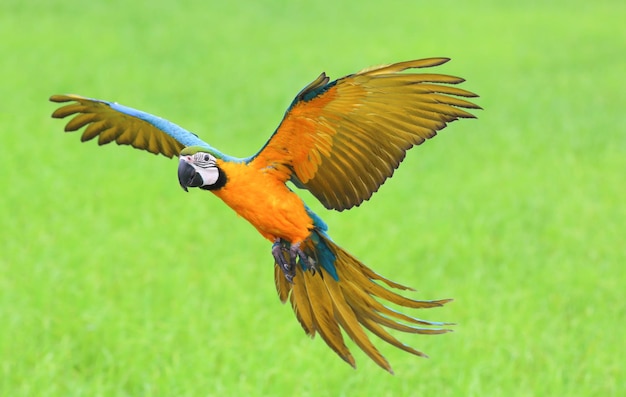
(340, 140)
(346, 141)
(325, 306)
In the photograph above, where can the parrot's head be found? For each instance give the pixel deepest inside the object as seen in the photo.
(198, 168)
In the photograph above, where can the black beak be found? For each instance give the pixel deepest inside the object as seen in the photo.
(187, 176)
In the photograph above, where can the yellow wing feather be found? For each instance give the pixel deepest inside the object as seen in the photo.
(111, 125)
(343, 139)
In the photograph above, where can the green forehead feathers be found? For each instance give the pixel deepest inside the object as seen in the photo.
(191, 150)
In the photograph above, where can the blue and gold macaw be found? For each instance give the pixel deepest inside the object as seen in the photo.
(339, 140)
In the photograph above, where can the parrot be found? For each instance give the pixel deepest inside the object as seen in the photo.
(340, 140)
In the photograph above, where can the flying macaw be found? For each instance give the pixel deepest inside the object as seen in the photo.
(339, 140)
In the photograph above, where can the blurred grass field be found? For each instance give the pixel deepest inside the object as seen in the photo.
(114, 282)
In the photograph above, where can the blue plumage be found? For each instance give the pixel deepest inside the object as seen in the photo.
(339, 140)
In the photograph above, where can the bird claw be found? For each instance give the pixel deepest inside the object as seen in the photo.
(282, 249)
(279, 249)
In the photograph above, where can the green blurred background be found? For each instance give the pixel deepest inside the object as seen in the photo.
(113, 282)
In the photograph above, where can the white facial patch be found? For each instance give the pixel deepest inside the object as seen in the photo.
(206, 165)
(209, 175)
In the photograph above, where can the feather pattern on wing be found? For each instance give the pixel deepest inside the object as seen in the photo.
(112, 122)
(341, 140)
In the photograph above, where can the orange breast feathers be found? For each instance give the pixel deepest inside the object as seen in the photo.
(265, 201)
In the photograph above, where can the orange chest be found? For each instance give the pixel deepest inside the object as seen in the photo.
(265, 202)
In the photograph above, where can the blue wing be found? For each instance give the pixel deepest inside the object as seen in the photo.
(111, 121)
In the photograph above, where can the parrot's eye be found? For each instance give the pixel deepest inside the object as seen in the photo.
(206, 157)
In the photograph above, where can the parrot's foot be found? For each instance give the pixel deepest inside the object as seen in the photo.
(282, 249)
(305, 260)
(279, 249)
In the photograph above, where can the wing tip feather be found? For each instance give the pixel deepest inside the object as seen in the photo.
(59, 98)
(88, 111)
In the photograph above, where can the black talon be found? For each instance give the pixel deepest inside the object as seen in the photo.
(279, 250)
(307, 261)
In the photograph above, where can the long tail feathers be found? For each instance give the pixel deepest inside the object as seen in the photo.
(325, 306)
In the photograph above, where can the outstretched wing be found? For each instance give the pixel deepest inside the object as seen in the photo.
(341, 140)
(111, 121)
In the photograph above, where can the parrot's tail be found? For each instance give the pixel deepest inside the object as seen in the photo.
(342, 295)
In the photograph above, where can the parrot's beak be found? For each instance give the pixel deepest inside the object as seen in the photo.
(187, 175)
